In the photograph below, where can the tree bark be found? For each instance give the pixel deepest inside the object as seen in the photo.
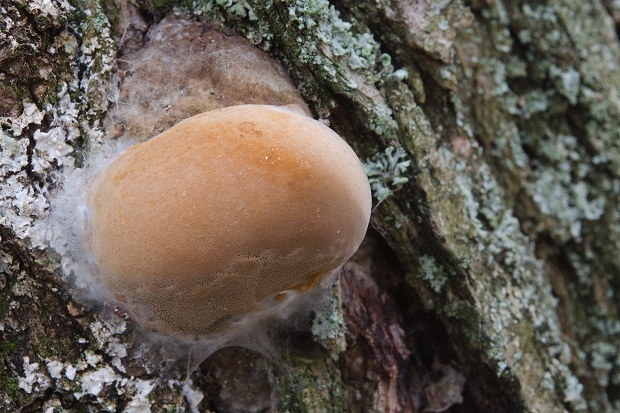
(490, 131)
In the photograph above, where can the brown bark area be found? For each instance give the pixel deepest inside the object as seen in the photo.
(390, 368)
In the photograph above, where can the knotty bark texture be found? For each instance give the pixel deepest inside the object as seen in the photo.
(490, 131)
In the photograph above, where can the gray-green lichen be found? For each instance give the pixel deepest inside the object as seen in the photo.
(328, 326)
(386, 172)
(562, 135)
(511, 127)
(432, 273)
(521, 307)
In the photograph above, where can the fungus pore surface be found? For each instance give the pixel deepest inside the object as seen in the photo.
(224, 213)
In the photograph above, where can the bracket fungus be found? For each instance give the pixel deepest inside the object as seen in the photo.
(223, 215)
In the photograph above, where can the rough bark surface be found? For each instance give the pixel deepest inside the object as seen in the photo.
(490, 131)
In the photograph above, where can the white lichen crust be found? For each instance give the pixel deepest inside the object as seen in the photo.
(40, 143)
(38, 147)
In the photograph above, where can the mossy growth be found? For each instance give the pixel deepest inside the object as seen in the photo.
(311, 383)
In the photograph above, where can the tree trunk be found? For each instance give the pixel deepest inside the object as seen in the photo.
(490, 131)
